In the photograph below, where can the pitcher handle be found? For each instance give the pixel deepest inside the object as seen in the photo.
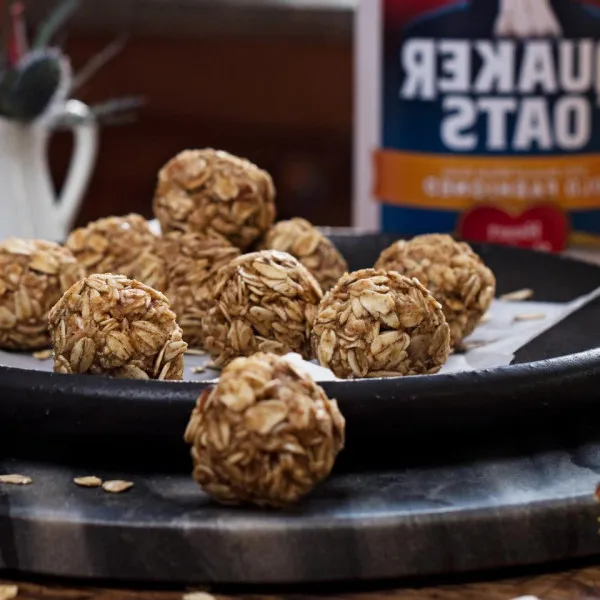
(85, 146)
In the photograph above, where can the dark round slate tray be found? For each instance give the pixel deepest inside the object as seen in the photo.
(522, 503)
(442, 474)
(558, 371)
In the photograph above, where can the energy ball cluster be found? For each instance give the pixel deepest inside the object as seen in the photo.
(213, 191)
(120, 245)
(266, 434)
(193, 261)
(300, 239)
(33, 276)
(451, 271)
(263, 302)
(108, 324)
(380, 324)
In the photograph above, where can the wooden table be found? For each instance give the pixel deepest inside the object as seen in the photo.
(576, 584)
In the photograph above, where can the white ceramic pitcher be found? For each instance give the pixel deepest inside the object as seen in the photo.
(29, 206)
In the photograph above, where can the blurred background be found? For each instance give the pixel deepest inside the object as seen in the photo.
(270, 80)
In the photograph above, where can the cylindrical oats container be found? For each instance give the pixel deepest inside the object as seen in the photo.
(479, 118)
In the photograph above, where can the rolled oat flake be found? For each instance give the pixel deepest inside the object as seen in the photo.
(117, 486)
(7, 592)
(15, 479)
(88, 481)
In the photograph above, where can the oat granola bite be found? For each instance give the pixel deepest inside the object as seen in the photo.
(380, 324)
(266, 434)
(300, 239)
(211, 190)
(33, 276)
(121, 245)
(263, 302)
(111, 325)
(193, 261)
(451, 271)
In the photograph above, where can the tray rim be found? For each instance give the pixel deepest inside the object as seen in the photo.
(28, 378)
(41, 399)
(56, 404)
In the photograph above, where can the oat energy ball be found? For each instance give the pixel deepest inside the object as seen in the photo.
(121, 245)
(380, 324)
(209, 190)
(264, 301)
(193, 261)
(267, 434)
(300, 239)
(110, 325)
(451, 271)
(33, 276)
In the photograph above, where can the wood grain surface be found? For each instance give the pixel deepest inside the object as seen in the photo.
(575, 584)
(287, 106)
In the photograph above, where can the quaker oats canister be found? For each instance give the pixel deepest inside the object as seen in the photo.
(480, 118)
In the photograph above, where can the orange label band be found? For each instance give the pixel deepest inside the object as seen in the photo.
(450, 182)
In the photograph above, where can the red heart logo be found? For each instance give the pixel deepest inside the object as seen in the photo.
(541, 227)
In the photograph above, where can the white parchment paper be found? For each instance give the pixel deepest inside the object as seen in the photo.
(493, 344)
(507, 328)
